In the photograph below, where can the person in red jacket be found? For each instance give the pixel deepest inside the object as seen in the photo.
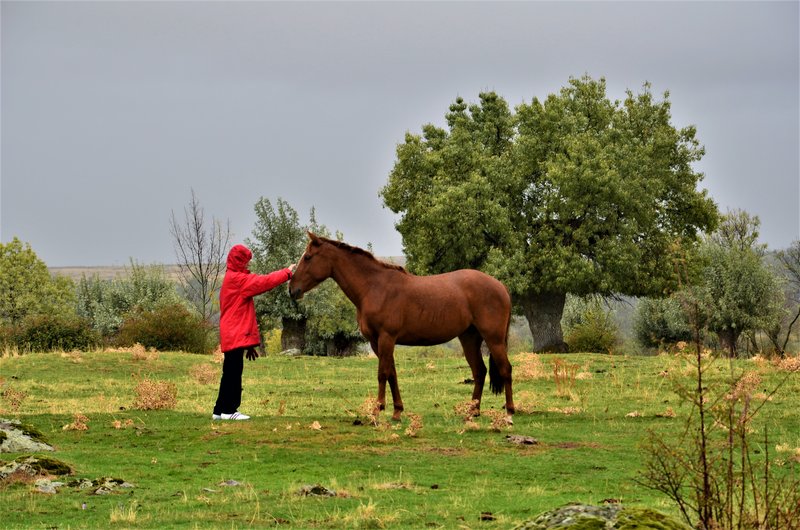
(238, 328)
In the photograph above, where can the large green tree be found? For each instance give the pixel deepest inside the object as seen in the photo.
(27, 288)
(572, 194)
(324, 323)
(744, 293)
(278, 240)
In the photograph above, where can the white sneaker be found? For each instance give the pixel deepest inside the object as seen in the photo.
(234, 416)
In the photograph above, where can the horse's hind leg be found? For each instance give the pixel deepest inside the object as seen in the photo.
(501, 369)
(388, 373)
(471, 343)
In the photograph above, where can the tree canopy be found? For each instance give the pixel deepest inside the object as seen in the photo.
(572, 194)
(325, 321)
(28, 288)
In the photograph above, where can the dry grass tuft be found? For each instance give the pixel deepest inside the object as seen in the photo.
(78, 424)
(205, 374)
(415, 426)
(370, 410)
(499, 420)
(526, 401)
(529, 366)
(140, 353)
(117, 424)
(566, 410)
(467, 409)
(124, 514)
(790, 364)
(155, 395)
(14, 398)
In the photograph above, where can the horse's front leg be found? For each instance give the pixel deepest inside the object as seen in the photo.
(388, 373)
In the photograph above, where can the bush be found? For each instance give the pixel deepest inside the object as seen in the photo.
(54, 332)
(661, 321)
(592, 329)
(107, 302)
(170, 327)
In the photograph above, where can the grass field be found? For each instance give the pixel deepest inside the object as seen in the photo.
(311, 425)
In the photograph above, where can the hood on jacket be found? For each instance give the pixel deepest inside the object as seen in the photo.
(238, 258)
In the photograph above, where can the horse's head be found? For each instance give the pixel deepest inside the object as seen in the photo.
(314, 268)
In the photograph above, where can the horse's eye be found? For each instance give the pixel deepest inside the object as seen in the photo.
(306, 257)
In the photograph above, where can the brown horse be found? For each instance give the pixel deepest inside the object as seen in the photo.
(396, 307)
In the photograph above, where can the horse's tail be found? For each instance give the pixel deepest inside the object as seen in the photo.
(496, 383)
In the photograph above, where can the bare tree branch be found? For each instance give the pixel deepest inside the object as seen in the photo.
(200, 250)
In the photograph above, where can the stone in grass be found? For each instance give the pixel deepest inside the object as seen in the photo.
(33, 466)
(101, 486)
(608, 517)
(317, 490)
(17, 437)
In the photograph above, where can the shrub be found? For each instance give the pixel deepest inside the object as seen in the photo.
(106, 302)
(592, 329)
(54, 332)
(661, 321)
(170, 327)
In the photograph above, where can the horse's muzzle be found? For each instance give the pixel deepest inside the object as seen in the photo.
(296, 293)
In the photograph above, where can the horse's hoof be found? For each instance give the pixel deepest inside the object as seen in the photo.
(396, 416)
(509, 420)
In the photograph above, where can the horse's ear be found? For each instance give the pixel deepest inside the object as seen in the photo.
(314, 239)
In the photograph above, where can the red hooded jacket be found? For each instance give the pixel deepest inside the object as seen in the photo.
(237, 323)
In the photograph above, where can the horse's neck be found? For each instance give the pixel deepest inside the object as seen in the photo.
(353, 274)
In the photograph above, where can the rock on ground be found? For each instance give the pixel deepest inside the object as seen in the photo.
(607, 517)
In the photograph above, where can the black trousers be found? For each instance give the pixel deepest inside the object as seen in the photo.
(230, 386)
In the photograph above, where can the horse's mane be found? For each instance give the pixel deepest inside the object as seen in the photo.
(361, 252)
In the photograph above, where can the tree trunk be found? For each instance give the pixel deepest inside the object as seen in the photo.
(293, 335)
(341, 346)
(544, 312)
(727, 341)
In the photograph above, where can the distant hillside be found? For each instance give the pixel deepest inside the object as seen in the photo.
(109, 273)
(103, 272)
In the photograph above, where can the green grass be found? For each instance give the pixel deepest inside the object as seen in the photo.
(444, 477)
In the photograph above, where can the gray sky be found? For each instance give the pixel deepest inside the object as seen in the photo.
(113, 111)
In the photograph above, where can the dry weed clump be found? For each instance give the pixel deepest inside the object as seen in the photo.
(565, 410)
(217, 356)
(744, 387)
(529, 366)
(526, 402)
(370, 410)
(118, 424)
(204, 374)
(155, 395)
(415, 426)
(79, 422)
(789, 364)
(499, 420)
(14, 398)
(467, 410)
(140, 353)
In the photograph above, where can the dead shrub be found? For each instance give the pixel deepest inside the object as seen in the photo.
(140, 353)
(155, 395)
(415, 426)
(78, 424)
(529, 366)
(204, 374)
(14, 398)
(467, 409)
(370, 410)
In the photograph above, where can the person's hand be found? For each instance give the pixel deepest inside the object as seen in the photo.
(292, 267)
(251, 354)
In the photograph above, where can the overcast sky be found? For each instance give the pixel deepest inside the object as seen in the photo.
(113, 111)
